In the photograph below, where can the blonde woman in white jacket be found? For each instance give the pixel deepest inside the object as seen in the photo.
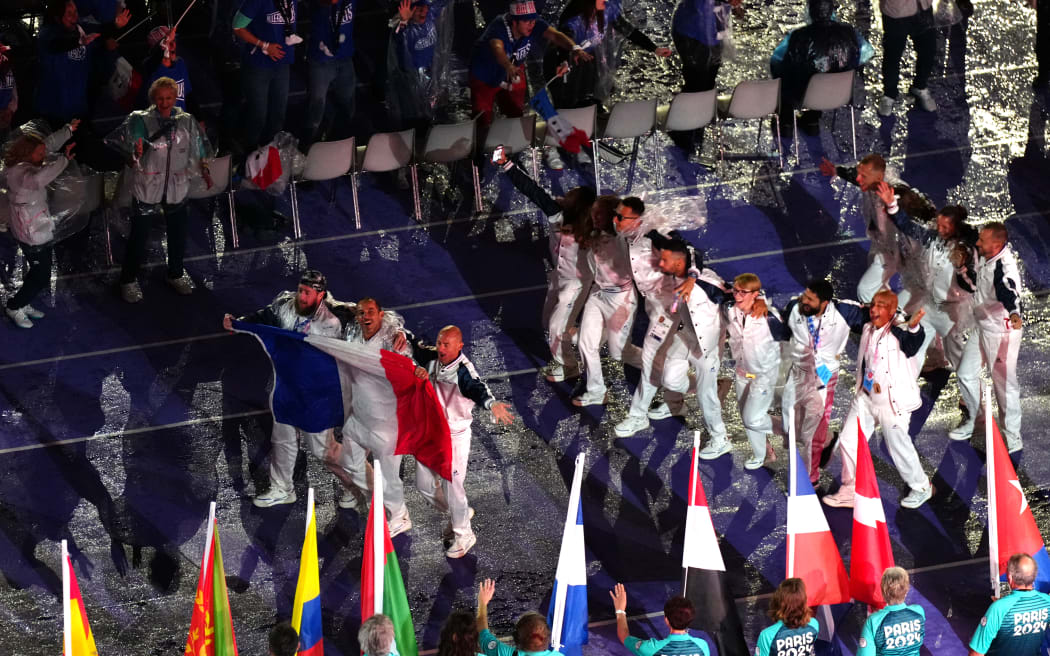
(27, 172)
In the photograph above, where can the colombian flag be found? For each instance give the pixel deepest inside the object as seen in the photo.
(77, 637)
(382, 588)
(211, 626)
(306, 612)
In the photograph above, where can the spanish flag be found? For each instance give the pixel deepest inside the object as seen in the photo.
(306, 612)
(211, 626)
(76, 631)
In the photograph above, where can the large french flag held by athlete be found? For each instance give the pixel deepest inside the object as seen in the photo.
(1011, 526)
(871, 552)
(704, 572)
(319, 382)
(306, 610)
(812, 554)
(567, 615)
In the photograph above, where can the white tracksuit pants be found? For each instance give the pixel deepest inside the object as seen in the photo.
(608, 316)
(564, 303)
(1000, 352)
(450, 496)
(753, 398)
(675, 377)
(807, 406)
(881, 269)
(939, 321)
(664, 364)
(874, 412)
(285, 449)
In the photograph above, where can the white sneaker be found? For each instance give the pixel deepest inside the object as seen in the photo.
(755, 462)
(715, 449)
(182, 285)
(400, 524)
(449, 533)
(916, 498)
(962, 432)
(131, 292)
(461, 545)
(886, 106)
(924, 99)
(630, 426)
(32, 312)
(841, 499)
(350, 499)
(19, 317)
(663, 411)
(590, 399)
(274, 497)
(552, 158)
(555, 373)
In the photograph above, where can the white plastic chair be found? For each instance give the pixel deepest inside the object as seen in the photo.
(629, 120)
(220, 168)
(827, 92)
(517, 134)
(584, 118)
(691, 110)
(388, 151)
(327, 160)
(753, 100)
(447, 144)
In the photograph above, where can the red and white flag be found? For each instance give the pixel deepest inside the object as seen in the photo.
(871, 553)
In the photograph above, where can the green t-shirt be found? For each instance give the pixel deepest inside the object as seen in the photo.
(491, 646)
(1013, 625)
(675, 644)
(896, 630)
(778, 640)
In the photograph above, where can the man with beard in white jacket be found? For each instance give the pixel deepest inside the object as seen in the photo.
(302, 311)
(886, 394)
(459, 388)
(995, 282)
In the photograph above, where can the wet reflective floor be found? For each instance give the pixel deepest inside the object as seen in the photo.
(121, 423)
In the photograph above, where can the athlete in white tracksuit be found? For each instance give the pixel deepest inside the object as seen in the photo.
(380, 329)
(886, 394)
(755, 345)
(817, 328)
(458, 388)
(303, 311)
(996, 284)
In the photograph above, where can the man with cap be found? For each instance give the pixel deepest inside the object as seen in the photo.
(330, 56)
(302, 311)
(497, 67)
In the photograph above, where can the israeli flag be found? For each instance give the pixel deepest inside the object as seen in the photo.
(567, 615)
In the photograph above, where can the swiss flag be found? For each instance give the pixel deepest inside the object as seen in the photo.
(871, 553)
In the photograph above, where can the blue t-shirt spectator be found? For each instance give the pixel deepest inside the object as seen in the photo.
(697, 20)
(64, 73)
(417, 41)
(103, 11)
(483, 64)
(267, 20)
(178, 72)
(332, 31)
(896, 630)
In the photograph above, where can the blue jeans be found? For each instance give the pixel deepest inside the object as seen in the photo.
(265, 101)
(337, 76)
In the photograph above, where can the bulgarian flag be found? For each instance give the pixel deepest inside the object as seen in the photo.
(306, 610)
(870, 552)
(76, 632)
(382, 588)
(211, 626)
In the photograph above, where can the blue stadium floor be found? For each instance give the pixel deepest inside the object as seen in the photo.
(120, 424)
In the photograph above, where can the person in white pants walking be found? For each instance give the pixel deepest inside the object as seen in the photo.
(886, 394)
(995, 282)
(458, 388)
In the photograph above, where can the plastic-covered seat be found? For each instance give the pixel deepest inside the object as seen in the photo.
(454, 142)
(220, 168)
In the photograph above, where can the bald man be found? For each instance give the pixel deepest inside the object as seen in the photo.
(1014, 625)
(459, 388)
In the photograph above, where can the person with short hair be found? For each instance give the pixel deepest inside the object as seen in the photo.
(459, 388)
(330, 58)
(376, 636)
(1014, 625)
(678, 615)
(897, 629)
(459, 635)
(283, 640)
(532, 635)
(995, 281)
(795, 629)
(165, 147)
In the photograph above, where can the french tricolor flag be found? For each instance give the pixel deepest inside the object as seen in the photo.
(704, 572)
(567, 615)
(812, 554)
(871, 553)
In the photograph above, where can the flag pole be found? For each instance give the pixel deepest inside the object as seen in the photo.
(378, 538)
(67, 636)
(689, 501)
(208, 535)
(993, 520)
(792, 491)
(570, 520)
(309, 508)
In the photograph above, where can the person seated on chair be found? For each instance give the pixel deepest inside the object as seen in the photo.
(824, 46)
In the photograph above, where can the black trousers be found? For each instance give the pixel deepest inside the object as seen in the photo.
(700, 62)
(36, 279)
(142, 214)
(896, 33)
